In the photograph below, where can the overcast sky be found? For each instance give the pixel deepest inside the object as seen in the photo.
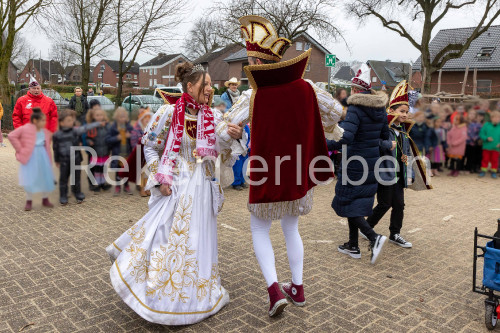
(369, 41)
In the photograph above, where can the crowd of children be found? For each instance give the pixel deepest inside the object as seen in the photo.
(35, 145)
(461, 138)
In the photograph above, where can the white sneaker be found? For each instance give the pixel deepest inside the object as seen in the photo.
(399, 240)
(376, 247)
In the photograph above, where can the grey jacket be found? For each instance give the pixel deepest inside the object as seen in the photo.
(385, 150)
(65, 138)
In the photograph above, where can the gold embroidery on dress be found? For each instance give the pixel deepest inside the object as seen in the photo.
(138, 260)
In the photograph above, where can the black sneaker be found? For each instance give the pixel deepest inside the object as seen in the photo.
(376, 247)
(399, 240)
(353, 251)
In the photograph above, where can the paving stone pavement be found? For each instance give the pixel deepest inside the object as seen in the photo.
(54, 271)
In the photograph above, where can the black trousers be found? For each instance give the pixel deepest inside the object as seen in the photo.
(359, 223)
(64, 177)
(388, 197)
(455, 164)
(473, 157)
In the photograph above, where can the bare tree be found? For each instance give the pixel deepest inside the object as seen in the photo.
(427, 14)
(142, 25)
(205, 36)
(289, 17)
(66, 57)
(14, 15)
(83, 27)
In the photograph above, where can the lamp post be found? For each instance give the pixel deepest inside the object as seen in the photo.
(103, 68)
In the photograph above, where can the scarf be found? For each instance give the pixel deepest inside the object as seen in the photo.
(79, 106)
(205, 137)
(234, 95)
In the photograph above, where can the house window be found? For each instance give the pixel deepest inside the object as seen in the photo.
(307, 46)
(150, 71)
(27, 75)
(135, 76)
(129, 76)
(485, 53)
(308, 68)
(99, 76)
(150, 82)
(117, 76)
(374, 79)
(484, 86)
(156, 81)
(298, 46)
(155, 71)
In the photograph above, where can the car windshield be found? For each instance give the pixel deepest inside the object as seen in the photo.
(146, 99)
(52, 94)
(102, 99)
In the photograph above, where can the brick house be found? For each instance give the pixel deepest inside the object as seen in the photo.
(44, 71)
(12, 72)
(316, 70)
(214, 63)
(107, 72)
(160, 70)
(388, 73)
(482, 57)
(74, 74)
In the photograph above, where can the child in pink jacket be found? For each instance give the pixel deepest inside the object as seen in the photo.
(456, 139)
(32, 145)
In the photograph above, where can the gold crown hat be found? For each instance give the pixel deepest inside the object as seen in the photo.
(399, 96)
(261, 38)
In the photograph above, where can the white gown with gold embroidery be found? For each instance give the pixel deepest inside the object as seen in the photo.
(166, 265)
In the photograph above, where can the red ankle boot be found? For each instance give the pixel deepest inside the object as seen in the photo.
(277, 301)
(294, 292)
(29, 205)
(46, 203)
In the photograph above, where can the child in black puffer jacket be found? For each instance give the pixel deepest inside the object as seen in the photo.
(118, 139)
(96, 139)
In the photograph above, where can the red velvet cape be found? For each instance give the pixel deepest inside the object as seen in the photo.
(284, 113)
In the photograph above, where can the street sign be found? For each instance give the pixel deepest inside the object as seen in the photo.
(330, 60)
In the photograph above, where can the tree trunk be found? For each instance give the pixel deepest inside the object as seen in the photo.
(119, 89)
(4, 81)
(85, 71)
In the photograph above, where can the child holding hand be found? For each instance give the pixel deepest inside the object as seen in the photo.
(32, 144)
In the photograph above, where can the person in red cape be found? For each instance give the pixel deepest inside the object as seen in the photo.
(35, 98)
(289, 119)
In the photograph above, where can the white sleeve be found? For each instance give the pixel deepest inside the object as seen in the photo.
(331, 111)
(154, 139)
(238, 113)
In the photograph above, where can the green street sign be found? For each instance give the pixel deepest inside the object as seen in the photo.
(330, 60)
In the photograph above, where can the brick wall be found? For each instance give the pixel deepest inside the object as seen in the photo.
(219, 69)
(235, 69)
(451, 82)
(317, 71)
(28, 69)
(163, 75)
(109, 76)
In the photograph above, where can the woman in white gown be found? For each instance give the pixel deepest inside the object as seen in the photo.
(166, 265)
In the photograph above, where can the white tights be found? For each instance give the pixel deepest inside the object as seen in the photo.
(264, 249)
(29, 196)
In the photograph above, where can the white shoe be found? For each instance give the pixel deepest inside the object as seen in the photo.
(376, 247)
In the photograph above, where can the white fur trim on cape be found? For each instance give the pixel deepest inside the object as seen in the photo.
(376, 99)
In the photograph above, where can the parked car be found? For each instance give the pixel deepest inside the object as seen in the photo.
(172, 89)
(60, 101)
(106, 104)
(134, 102)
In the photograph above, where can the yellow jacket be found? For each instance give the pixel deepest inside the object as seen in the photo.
(1, 111)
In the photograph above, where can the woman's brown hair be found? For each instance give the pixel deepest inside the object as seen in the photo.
(184, 75)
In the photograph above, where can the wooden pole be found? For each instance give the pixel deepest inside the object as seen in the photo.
(465, 80)
(474, 89)
(439, 80)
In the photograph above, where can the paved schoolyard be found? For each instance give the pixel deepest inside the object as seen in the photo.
(54, 269)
